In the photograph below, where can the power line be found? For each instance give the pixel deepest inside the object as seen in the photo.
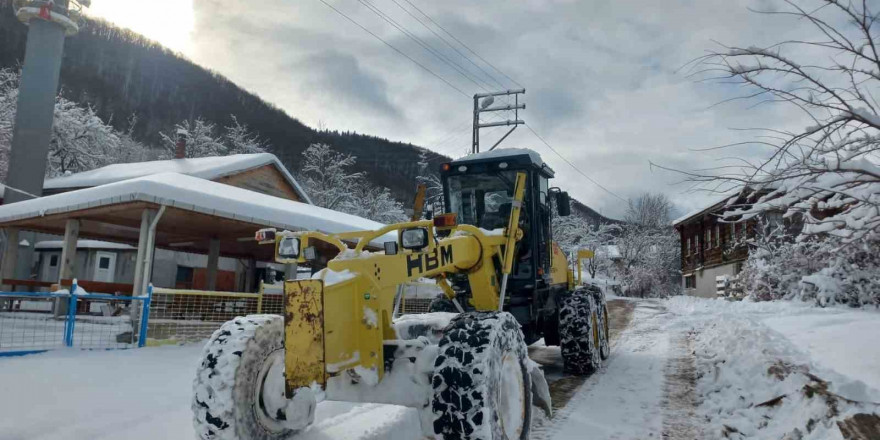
(572, 165)
(455, 66)
(395, 49)
(444, 40)
(461, 43)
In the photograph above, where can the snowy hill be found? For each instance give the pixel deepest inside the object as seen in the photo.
(120, 73)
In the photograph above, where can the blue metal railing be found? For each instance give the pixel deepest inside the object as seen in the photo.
(70, 321)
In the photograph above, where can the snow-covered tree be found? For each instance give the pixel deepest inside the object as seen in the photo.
(828, 171)
(80, 140)
(650, 248)
(326, 177)
(201, 139)
(574, 232)
(376, 204)
(240, 140)
(8, 97)
(431, 179)
(821, 269)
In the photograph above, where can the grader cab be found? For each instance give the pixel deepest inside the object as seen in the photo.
(467, 372)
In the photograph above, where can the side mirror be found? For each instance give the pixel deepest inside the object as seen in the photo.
(414, 239)
(563, 204)
(288, 248)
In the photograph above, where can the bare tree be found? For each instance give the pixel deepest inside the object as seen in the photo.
(829, 170)
(649, 211)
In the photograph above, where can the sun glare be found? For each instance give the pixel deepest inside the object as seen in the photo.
(170, 22)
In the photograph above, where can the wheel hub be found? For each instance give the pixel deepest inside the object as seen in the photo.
(511, 397)
(270, 401)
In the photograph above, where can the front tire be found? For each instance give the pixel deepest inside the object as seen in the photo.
(238, 392)
(482, 388)
(579, 333)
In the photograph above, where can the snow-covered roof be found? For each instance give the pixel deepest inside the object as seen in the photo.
(199, 195)
(209, 168)
(502, 153)
(84, 244)
(715, 203)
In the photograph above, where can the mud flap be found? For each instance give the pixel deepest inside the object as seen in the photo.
(304, 360)
(540, 389)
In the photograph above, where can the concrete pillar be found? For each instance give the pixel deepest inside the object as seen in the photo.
(68, 261)
(68, 250)
(36, 109)
(10, 257)
(249, 274)
(213, 263)
(147, 217)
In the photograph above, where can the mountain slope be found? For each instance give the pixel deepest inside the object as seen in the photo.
(121, 73)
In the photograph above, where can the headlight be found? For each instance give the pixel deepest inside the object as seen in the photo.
(288, 248)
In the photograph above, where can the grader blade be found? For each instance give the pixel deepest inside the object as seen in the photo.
(304, 334)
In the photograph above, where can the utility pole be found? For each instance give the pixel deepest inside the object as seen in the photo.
(48, 22)
(485, 106)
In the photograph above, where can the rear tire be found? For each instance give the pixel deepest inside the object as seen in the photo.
(579, 333)
(242, 358)
(482, 387)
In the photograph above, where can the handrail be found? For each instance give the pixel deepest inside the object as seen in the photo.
(168, 291)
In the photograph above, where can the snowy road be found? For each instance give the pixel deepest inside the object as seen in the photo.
(680, 369)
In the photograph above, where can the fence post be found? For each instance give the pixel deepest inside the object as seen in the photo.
(71, 316)
(260, 299)
(145, 316)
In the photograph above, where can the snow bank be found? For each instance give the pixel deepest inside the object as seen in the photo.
(144, 394)
(757, 382)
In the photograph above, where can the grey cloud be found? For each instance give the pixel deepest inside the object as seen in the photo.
(603, 79)
(341, 77)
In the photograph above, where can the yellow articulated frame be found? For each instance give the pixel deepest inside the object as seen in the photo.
(339, 322)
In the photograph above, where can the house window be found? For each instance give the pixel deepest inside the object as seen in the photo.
(709, 238)
(717, 235)
(732, 232)
(690, 282)
(184, 278)
(688, 248)
(697, 242)
(53, 261)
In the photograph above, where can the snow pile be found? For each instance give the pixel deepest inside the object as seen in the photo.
(754, 382)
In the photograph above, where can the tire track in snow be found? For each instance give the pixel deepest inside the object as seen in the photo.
(622, 399)
(680, 395)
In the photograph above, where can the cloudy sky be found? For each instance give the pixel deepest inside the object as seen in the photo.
(604, 80)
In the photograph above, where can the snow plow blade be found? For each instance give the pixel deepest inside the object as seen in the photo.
(304, 334)
(540, 389)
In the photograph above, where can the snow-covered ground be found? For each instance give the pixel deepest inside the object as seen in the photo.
(684, 368)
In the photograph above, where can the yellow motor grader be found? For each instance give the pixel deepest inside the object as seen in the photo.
(464, 366)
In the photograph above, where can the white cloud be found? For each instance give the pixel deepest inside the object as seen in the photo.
(602, 78)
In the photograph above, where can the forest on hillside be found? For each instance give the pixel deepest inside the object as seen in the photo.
(144, 90)
(120, 73)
